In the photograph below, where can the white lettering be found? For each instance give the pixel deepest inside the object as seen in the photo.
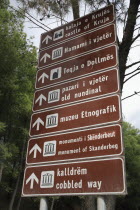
(94, 184)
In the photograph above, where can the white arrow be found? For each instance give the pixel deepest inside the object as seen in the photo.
(34, 149)
(32, 178)
(40, 99)
(43, 77)
(38, 122)
(46, 39)
(44, 57)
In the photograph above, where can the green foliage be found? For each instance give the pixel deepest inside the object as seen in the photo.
(2, 127)
(4, 4)
(4, 154)
(17, 73)
(43, 8)
(17, 77)
(132, 153)
(62, 7)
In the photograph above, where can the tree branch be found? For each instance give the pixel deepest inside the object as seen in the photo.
(108, 2)
(35, 19)
(138, 16)
(132, 64)
(27, 17)
(131, 77)
(60, 18)
(133, 71)
(118, 42)
(85, 8)
(135, 93)
(75, 8)
(137, 28)
(125, 46)
(134, 39)
(135, 46)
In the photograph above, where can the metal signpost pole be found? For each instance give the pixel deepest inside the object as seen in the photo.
(101, 203)
(43, 204)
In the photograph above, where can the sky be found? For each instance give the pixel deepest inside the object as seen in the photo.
(130, 106)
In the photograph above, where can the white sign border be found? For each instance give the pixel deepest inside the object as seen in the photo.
(62, 27)
(78, 128)
(75, 56)
(90, 97)
(89, 52)
(99, 193)
(74, 159)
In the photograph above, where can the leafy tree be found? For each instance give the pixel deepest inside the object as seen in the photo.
(132, 153)
(17, 76)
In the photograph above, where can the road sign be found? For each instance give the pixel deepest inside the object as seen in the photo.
(79, 45)
(80, 115)
(105, 141)
(77, 90)
(103, 176)
(78, 27)
(75, 111)
(83, 65)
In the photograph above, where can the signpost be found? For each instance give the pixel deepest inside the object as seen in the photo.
(76, 178)
(72, 117)
(83, 65)
(77, 90)
(77, 112)
(105, 141)
(78, 27)
(72, 48)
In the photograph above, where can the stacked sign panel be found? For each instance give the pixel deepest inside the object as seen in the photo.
(75, 144)
(79, 178)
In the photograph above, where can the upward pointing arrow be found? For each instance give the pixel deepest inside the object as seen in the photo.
(34, 149)
(40, 99)
(44, 57)
(46, 39)
(31, 179)
(43, 77)
(38, 122)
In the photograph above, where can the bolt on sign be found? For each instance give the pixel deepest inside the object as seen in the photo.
(105, 141)
(76, 178)
(91, 41)
(79, 89)
(78, 27)
(81, 115)
(83, 65)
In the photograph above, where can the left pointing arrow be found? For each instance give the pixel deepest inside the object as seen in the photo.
(31, 179)
(38, 122)
(44, 57)
(40, 99)
(34, 149)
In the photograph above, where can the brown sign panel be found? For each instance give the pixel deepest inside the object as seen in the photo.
(78, 27)
(77, 90)
(80, 115)
(102, 176)
(90, 143)
(82, 65)
(71, 48)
